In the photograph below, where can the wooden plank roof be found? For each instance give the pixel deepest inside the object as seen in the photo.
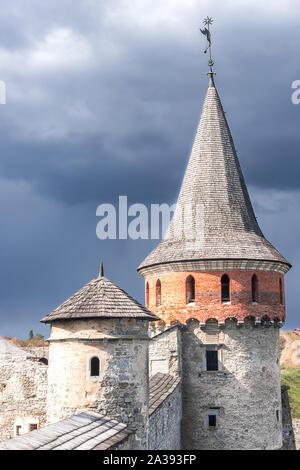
(160, 387)
(85, 431)
(100, 298)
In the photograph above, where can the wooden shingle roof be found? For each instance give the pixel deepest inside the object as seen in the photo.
(85, 431)
(160, 387)
(100, 298)
(214, 218)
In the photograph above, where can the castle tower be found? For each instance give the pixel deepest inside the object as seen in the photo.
(216, 273)
(98, 357)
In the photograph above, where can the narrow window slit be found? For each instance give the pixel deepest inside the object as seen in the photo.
(225, 288)
(95, 367)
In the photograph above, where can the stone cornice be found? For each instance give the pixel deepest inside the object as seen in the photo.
(215, 264)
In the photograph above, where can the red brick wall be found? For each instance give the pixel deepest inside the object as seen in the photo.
(208, 296)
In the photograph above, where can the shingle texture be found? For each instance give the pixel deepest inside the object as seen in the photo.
(160, 387)
(85, 431)
(219, 221)
(100, 298)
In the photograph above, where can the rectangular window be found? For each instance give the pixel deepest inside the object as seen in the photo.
(212, 421)
(277, 415)
(18, 430)
(212, 360)
(32, 427)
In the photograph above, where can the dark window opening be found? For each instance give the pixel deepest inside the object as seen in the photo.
(254, 289)
(43, 360)
(212, 421)
(225, 288)
(212, 360)
(277, 415)
(147, 294)
(158, 293)
(33, 426)
(190, 289)
(95, 367)
(18, 430)
(280, 292)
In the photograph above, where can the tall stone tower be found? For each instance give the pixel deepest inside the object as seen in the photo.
(98, 357)
(217, 274)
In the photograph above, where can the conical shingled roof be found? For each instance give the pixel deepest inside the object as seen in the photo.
(214, 187)
(100, 298)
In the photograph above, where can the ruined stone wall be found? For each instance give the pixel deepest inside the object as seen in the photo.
(122, 389)
(38, 351)
(165, 352)
(23, 389)
(244, 393)
(165, 423)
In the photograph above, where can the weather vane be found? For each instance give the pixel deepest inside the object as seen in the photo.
(207, 22)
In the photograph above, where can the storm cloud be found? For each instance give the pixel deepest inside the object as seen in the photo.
(103, 99)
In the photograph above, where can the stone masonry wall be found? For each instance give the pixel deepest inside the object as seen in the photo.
(165, 424)
(208, 296)
(38, 351)
(288, 436)
(127, 444)
(165, 352)
(244, 393)
(23, 389)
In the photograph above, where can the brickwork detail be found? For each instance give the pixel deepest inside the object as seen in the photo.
(208, 296)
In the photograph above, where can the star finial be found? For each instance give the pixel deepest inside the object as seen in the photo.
(206, 31)
(208, 20)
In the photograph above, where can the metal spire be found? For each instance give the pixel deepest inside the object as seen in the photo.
(206, 31)
(101, 272)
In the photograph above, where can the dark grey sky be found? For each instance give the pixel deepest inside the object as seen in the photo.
(103, 99)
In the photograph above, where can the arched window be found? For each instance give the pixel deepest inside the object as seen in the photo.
(158, 293)
(254, 283)
(190, 289)
(95, 367)
(280, 292)
(225, 288)
(147, 294)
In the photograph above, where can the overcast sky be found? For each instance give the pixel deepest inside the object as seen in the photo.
(103, 99)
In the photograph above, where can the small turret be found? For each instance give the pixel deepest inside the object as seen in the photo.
(98, 357)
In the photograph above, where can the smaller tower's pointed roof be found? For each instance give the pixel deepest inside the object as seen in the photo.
(9, 349)
(100, 298)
